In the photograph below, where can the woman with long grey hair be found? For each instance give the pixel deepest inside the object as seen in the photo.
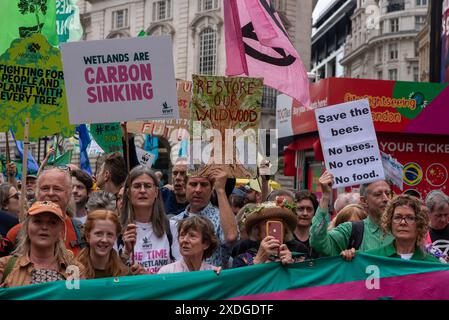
(150, 239)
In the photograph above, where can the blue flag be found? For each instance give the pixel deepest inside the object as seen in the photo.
(84, 141)
(32, 166)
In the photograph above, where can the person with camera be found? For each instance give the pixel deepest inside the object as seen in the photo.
(272, 225)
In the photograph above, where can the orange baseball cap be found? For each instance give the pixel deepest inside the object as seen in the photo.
(46, 206)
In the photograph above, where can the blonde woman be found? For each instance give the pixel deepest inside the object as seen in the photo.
(41, 255)
(405, 219)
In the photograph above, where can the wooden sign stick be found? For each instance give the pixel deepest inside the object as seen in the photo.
(26, 143)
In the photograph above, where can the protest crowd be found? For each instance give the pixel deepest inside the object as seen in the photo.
(118, 224)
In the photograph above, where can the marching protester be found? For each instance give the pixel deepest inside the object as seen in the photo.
(55, 185)
(306, 206)
(7, 221)
(101, 200)
(363, 235)
(267, 247)
(41, 255)
(149, 237)
(253, 191)
(81, 188)
(9, 199)
(343, 199)
(236, 200)
(351, 212)
(437, 203)
(119, 201)
(99, 258)
(198, 192)
(112, 173)
(408, 223)
(175, 200)
(30, 189)
(197, 242)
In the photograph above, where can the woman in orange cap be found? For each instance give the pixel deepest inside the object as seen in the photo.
(41, 255)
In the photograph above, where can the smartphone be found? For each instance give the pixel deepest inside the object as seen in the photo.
(276, 230)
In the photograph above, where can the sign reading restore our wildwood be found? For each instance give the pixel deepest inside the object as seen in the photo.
(349, 142)
(120, 80)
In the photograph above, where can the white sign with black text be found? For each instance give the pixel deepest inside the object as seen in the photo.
(349, 143)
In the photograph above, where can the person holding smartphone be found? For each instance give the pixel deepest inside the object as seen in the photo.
(273, 224)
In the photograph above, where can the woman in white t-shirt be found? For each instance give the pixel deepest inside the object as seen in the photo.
(150, 239)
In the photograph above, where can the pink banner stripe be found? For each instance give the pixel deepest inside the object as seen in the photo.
(423, 286)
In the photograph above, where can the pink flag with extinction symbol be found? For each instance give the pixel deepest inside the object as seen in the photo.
(257, 45)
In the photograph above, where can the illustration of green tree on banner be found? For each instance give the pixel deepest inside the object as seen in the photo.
(23, 18)
(32, 86)
(227, 103)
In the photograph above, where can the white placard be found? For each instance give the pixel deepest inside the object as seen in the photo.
(349, 142)
(394, 171)
(284, 115)
(145, 158)
(120, 80)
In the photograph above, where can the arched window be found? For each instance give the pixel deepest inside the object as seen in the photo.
(208, 51)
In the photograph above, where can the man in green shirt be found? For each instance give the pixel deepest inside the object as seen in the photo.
(374, 197)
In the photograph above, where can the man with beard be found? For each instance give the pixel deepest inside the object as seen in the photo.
(81, 187)
(362, 235)
(175, 200)
(31, 188)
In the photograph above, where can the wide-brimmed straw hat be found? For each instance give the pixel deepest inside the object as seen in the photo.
(279, 210)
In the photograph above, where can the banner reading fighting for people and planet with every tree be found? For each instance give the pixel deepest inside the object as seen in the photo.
(366, 277)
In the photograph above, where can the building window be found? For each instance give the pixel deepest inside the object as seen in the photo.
(208, 51)
(161, 10)
(206, 5)
(393, 50)
(119, 19)
(394, 25)
(279, 5)
(395, 5)
(379, 54)
(419, 22)
(416, 46)
(393, 74)
(381, 27)
(269, 98)
(380, 75)
(416, 74)
(421, 2)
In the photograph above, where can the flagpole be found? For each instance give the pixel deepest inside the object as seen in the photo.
(8, 158)
(26, 143)
(127, 148)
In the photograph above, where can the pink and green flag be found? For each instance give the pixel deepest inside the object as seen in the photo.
(366, 277)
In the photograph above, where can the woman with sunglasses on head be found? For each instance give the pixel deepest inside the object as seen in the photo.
(149, 238)
(405, 219)
(9, 210)
(9, 199)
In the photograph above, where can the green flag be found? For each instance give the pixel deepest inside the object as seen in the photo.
(68, 21)
(22, 18)
(64, 159)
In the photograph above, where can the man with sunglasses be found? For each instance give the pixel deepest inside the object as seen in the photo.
(54, 184)
(362, 235)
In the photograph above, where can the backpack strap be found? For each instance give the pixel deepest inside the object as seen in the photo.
(170, 239)
(9, 266)
(355, 240)
(77, 225)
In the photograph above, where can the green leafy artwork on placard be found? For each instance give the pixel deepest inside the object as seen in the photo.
(32, 86)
